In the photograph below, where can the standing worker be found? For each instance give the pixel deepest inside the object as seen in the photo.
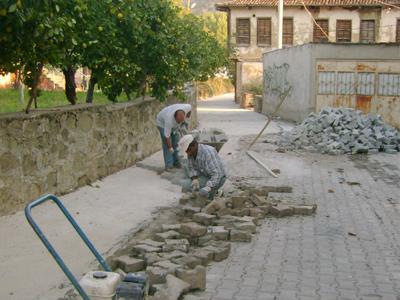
(169, 120)
(206, 171)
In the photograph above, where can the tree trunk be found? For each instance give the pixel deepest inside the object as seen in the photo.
(19, 85)
(36, 79)
(90, 92)
(70, 85)
(126, 89)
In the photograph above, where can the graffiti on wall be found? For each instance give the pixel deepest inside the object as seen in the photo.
(275, 80)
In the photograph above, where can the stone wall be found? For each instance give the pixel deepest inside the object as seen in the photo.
(57, 151)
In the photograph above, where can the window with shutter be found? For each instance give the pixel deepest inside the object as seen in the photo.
(367, 31)
(343, 31)
(287, 38)
(398, 31)
(264, 31)
(243, 32)
(319, 36)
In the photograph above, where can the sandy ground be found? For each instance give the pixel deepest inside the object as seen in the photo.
(109, 210)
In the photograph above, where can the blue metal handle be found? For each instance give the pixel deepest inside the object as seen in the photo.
(49, 246)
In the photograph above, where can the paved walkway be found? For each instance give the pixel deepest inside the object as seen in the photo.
(349, 250)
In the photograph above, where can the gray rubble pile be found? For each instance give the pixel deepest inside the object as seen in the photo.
(342, 130)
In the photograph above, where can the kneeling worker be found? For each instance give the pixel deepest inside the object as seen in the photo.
(206, 171)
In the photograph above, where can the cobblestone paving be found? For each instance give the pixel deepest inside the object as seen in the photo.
(349, 250)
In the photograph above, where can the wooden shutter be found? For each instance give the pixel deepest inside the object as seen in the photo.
(398, 31)
(319, 36)
(242, 32)
(367, 31)
(264, 31)
(343, 31)
(287, 38)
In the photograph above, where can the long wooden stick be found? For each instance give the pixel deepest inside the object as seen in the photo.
(261, 164)
(270, 118)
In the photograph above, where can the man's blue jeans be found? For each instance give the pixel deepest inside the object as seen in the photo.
(170, 159)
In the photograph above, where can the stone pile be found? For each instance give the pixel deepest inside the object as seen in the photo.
(175, 257)
(342, 130)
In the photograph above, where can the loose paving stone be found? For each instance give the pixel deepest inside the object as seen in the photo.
(305, 210)
(156, 275)
(193, 229)
(189, 211)
(204, 219)
(167, 265)
(170, 227)
(173, 255)
(239, 236)
(282, 210)
(120, 272)
(259, 200)
(145, 249)
(216, 205)
(218, 233)
(219, 253)
(130, 264)
(152, 243)
(188, 261)
(172, 290)
(204, 255)
(167, 235)
(179, 245)
(257, 213)
(151, 258)
(247, 226)
(196, 278)
(239, 201)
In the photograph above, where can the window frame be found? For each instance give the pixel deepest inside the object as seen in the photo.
(316, 28)
(269, 19)
(237, 35)
(283, 32)
(374, 31)
(337, 30)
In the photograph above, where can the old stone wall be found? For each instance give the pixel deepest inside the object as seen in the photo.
(57, 151)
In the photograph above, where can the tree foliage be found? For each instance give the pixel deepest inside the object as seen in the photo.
(131, 46)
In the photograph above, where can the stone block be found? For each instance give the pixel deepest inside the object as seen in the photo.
(247, 226)
(305, 210)
(239, 201)
(152, 243)
(151, 258)
(215, 205)
(176, 287)
(167, 235)
(189, 211)
(219, 253)
(201, 241)
(257, 213)
(156, 275)
(141, 249)
(282, 210)
(173, 255)
(188, 261)
(240, 236)
(179, 245)
(196, 278)
(193, 229)
(196, 297)
(170, 227)
(259, 200)
(167, 265)
(218, 233)
(129, 264)
(204, 219)
(204, 255)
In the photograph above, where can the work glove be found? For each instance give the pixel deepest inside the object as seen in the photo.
(195, 185)
(171, 150)
(204, 192)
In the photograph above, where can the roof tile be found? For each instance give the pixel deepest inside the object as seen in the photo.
(267, 3)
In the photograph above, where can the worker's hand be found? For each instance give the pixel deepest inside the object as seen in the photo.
(195, 185)
(171, 150)
(205, 191)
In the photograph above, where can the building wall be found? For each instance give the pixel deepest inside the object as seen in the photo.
(303, 25)
(61, 150)
(308, 60)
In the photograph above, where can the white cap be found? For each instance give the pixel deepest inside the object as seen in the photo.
(185, 142)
